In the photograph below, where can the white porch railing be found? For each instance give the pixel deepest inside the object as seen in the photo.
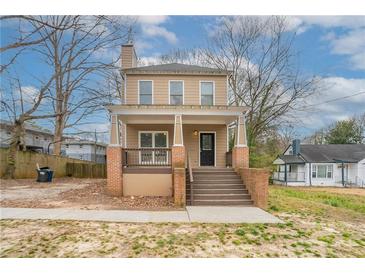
(290, 176)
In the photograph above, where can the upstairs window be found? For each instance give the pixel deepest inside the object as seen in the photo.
(176, 89)
(207, 93)
(145, 92)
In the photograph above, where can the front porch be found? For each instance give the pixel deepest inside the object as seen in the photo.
(153, 148)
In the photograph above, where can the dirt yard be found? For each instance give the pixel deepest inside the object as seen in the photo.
(72, 193)
(317, 224)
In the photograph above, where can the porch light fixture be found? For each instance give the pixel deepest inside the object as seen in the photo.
(195, 133)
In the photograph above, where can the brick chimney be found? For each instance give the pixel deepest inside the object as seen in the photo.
(128, 56)
(296, 147)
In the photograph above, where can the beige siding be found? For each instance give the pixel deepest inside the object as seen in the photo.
(147, 184)
(191, 141)
(191, 88)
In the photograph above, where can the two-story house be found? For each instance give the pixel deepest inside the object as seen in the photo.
(170, 135)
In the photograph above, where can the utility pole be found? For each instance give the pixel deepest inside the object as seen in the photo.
(95, 138)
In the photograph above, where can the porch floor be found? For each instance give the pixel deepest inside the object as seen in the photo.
(192, 214)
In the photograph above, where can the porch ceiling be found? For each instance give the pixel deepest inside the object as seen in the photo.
(164, 114)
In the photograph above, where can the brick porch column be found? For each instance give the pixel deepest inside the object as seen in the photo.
(240, 151)
(114, 158)
(178, 163)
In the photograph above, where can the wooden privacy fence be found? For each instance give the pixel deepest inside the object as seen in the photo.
(80, 170)
(25, 165)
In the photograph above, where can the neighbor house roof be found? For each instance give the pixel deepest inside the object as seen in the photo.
(292, 159)
(333, 153)
(176, 68)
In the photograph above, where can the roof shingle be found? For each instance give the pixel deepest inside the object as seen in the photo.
(177, 68)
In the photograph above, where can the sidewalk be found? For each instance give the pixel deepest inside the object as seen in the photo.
(192, 214)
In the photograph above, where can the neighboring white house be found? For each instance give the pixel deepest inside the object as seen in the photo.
(36, 138)
(85, 150)
(321, 165)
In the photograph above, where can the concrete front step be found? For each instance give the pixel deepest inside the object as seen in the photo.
(219, 197)
(214, 173)
(212, 169)
(218, 181)
(215, 177)
(222, 202)
(219, 191)
(219, 186)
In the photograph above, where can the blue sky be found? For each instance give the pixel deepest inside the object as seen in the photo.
(331, 47)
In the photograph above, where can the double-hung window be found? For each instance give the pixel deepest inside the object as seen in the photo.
(206, 93)
(176, 89)
(145, 92)
(322, 171)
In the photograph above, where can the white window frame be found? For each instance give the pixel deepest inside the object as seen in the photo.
(215, 146)
(153, 142)
(315, 170)
(183, 90)
(200, 90)
(143, 80)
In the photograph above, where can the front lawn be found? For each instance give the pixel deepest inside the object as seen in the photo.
(318, 223)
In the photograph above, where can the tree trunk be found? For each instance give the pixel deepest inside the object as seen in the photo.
(58, 135)
(14, 144)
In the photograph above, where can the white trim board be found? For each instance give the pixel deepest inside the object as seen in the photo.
(200, 90)
(145, 80)
(183, 90)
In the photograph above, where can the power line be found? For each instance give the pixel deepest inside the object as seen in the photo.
(336, 99)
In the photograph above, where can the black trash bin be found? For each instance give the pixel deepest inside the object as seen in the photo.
(45, 174)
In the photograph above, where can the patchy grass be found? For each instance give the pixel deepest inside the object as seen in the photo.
(314, 227)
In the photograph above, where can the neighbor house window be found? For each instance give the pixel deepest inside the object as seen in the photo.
(176, 89)
(322, 171)
(145, 92)
(207, 93)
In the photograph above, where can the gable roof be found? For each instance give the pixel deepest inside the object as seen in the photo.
(176, 68)
(332, 153)
(292, 159)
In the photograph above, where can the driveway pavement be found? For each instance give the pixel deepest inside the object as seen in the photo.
(192, 214)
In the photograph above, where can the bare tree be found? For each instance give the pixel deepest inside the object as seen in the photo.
(25, 35)
(81, 58)
(22, 106)
(258, 51)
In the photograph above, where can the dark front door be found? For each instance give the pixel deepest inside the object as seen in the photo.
(207, 144)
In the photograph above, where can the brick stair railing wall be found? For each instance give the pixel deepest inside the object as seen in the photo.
(257, 183)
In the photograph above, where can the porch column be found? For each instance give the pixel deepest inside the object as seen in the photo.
(114, 158)
(240, 151)
(178, 162)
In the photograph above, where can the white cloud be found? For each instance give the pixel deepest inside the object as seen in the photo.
(153, 20)
(155, 31)
(151, 27)
(349, 22)
(325, 111)
(352, 44)
(30, 93)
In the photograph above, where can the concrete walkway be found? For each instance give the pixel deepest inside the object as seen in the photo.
(192, 214)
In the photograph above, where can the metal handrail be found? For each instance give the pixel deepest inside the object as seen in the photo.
(191, 180)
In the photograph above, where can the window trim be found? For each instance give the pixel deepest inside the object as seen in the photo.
(215, 146)
(314, 169)
(183, 90)
(153, 142)
(200, 90)
(153, 137)
(143, 80)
